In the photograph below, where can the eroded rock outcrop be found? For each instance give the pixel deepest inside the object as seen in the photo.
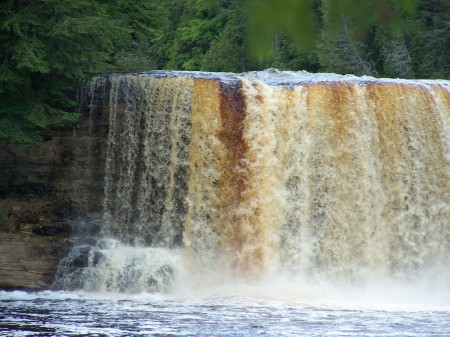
(49, 192)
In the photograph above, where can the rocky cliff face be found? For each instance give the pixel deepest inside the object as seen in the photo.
(49, 192)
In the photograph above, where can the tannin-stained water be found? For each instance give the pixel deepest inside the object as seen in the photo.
(239, 179)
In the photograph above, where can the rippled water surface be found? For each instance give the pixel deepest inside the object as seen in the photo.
(81, 314)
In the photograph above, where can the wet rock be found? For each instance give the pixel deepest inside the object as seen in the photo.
(44, 190)
(29, 261)
(52, 229)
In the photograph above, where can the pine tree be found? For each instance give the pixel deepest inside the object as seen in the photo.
(49, 47)
(227, 51)
(431, 52)
(195, 24)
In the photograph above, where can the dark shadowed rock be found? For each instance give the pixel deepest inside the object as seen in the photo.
(47, 193)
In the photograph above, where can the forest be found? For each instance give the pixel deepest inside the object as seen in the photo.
(49, 48)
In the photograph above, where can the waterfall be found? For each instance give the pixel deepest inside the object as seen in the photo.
(251, 175)
(146, 165)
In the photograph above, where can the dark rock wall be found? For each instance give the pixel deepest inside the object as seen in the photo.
(50, 193)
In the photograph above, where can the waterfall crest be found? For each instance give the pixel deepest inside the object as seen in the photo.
(319, 176)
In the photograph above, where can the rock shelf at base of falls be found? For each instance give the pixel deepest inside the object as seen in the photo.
(29, 261)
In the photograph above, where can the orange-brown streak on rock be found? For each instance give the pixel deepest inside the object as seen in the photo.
(204, 165)
(232, 179)
(328, 104)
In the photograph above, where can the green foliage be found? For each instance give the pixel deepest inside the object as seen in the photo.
(289, 57)
(49, 47)
(21, 119)
(226, 51)
(145, 22)
(365, 37)
(396, 38)
(401, 38)
(267, 17)
(431, 52)
(44, 43)
(195, 26)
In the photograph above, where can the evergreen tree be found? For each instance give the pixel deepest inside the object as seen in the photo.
(196, 24)
(227, 51)
(266, 18)
(365, 37)
(370, 37)
(340, 48)
(431, 38)
(145, 21)
(46, 47)
(49, 47)
(288, 57)
(394, 55)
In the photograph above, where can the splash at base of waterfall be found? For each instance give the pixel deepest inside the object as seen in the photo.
(109, 266)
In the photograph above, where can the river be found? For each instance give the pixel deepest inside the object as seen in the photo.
(268, 309)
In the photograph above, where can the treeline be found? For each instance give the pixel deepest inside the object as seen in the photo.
(48, 47)
(382, 38)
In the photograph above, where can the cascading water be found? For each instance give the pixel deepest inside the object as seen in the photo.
(252, 176)
(146, 165)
